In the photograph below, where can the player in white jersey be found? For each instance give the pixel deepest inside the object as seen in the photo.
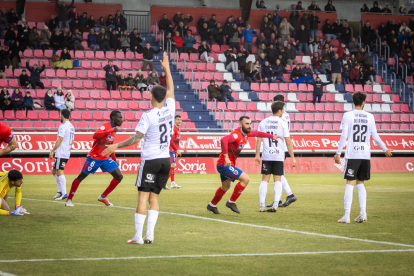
(357, 127)
(285, 185)
(61, 151)
(157, 126)
(273, 156)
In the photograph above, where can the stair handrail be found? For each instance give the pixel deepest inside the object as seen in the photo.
(197, 91)
(229, 126)
(367, 46)
(412, 75)
(183, 69)
(361, 23)
(386, 47)
(176, 57)
(378, 44)
(384, 71)
(359, 40)
(214, 107)
(221, 111)
(404, 72)
(375, 58)
(169, 48)
(411, 99)
(155, 30)
(402, 90)
(162, 39)
(395, 63)
(395, 81)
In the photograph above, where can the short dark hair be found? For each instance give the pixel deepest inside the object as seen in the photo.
(24, 70)
(243, 117)
(213, 15)
(147, 42)
(65, 113)
(276, 106)
(14, 175)
(159, 93)
(358, 98)
(177, 116)
(113, 113)
(279, 98)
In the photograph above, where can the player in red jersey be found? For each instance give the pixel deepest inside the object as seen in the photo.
(174, 153)
(6, 136)
(104, 136)
(231, 146)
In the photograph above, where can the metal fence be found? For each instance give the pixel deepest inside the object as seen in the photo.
(138, 19)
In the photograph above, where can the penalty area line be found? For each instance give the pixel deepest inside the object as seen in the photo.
(205, 256)
(6, 274)
(246, 224)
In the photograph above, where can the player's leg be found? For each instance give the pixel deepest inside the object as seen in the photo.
(277, 190)
(351, 167)
(4, 207)
(152, 215)
(290, 196)
(172, 171)
(238, 189)
(225, 186)
(62, 184)
(140, 215)
(117, 178)
(263, 185)
(74, 187)
(363, 174)
(54, 172)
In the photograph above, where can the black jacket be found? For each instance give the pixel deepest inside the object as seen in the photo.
(249, 73)
(296, 73)
(63, 10)
(10, 35)
(64, 56)
(49, 101)
(302, 36)
(229, 57)
(201, 49)
(277, 69)
(35, 74)
(110, 76)
(318, 87)
(314, 22)
(336, 64)
(185, 20)
(148, 53)
(205, 34)
(241, 60)
(164, 24)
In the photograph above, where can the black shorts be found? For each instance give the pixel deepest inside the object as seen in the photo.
(357, 169)
(153, 175)
(60, 163)
(273, 167)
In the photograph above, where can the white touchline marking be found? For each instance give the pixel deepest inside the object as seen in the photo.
(207, 256)
(6, 274)
(245, 224)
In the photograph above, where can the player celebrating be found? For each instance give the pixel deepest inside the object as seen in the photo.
(231, 146)
(156, 124)
(174, 153)
(96, 159)
(8, 180)
(285, 185)
(273, 158)
(7, 137)
(61, 150)
(357, 127)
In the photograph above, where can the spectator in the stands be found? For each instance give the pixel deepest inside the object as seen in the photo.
(182, 29)
(365, 59)
(346, 34)
(15, 55)
(327, 40)
(10, 36)
(5, 100)
(28, 101)
(125, 41)
(114, 41)
(294, 21)
(214, 91)
(231, 63)
(296, 73)
(307, 71)
(241, 60)
(386, 9)
(35, 74)
(203, 51)
(240, 22)
(302, 39)
(267, 72)
(53, 23)
(277, 70)
(260, 5)
(326, 52)
(370, 76)
(402, 38)
(148, 53)
(262, 39)
(314, 7)
(49, 101)
(314, 23)
(299, 6)
(329, 7)
(93, 40)
(365, 8)
(337, 28)
(285, 28)
(135, 40)
(248, 38)
(103, 41)
(121, 81)
(70, 100)
(163, 79)
(45, 38)
(55, 40)
(180, 17)
(265, 27)
(315, 45)
(261, 49)
(120, 21)
(218, 34)
(129, 81)
(212, 22)
(326, 66)
(404, 28)
(375, 8)
(59, 97)
(354, 75)
(17, 99)
(92, 23)
(63, 13)
(328, 30)
(226, 92)
(178, 42)
(305, 21)
(65, 55)
(290, 55)
(140, 81)
(205, 34)
(317, 89)
(24, 79)
(316, 64)
(189, 42)
(12, 17)
(23, 32)
(345, 73)
(351, 61)
(353, 46)
(234, 36)
(74, 15)
(65, 38)
(201, 21)
(271, 54)
(2, 69)
(77, 41)
(275, 31)
(110, 22)
(164, 23)
(262, 59)
(3, 26)
(250, 73)
(110, 75)
(336, 68)
(367, 34)
(101, 23)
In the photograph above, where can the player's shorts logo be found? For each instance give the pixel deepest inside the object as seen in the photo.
(63, 164)
(350, 172)
(89, 168)
(264, 167)
(150, 178)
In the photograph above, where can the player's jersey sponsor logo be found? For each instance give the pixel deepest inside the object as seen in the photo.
(178, 137)
(110, 138)
(240, 147)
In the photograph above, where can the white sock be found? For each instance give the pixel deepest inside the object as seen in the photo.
(349, 189)
(278, 191)
(152, 220)
(57, 183)
(62, 184)
(286, 187)
(263, 192)
(139, 225)
(362, 194)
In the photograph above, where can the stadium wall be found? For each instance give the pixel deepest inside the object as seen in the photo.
(207, 165)
(376, 19)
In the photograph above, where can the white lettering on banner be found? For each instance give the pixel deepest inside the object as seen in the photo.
(305, 143)
(26, 166)
(404, 143)
(409, 167)
(19, 167)
(191, 167)
(42, 145)
(127, 167)
(22, 138)
(191, 144)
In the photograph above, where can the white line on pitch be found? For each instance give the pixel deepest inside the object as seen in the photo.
(246, 224)
(6, 274)
(207, 256)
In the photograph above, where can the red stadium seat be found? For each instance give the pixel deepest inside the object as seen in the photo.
(75, 115)
(87, 115)
(101, 105)
(32, 115)
(80, 105)
(339, 107)
(143, 105)
(9, 115)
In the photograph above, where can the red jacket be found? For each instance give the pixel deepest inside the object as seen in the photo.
(340, 51)
(354, 73)
(316, 63)
(179, 41)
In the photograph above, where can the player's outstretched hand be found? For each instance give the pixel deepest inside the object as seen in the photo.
(257, 161)
(388, 153)
(165, 63)
(337, 159)
(109, 149)
(294, 164)
(178, 153)
(275, 137)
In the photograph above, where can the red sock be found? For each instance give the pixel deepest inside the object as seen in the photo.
(172, 172)
(218, 196)
(237, 192)
(73, 188)
(111, 187)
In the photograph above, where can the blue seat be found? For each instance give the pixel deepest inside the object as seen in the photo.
(253, 97)
(348, 97)
(245, 86)
(237, 77)
(340, 88)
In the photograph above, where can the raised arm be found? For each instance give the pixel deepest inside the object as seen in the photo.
(165, 63)
(99, 134)
(265, 135)
(129, 142)
(11, 146)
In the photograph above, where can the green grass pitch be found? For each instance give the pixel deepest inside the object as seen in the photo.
(189, 240)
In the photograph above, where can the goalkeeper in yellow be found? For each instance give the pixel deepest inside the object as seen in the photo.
(8, 180)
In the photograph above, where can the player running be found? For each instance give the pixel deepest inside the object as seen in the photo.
(174, 153)
(285, 185)
(273, 157)
(96, 159)
(231, 146)
(7, 137)
(357, 127)
(8, 180)
(157, 125)
(61, 150)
